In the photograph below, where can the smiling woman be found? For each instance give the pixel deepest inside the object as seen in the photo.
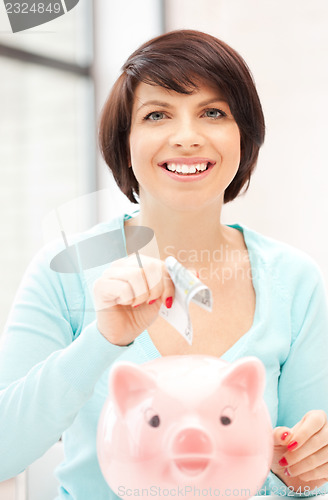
(181, 130)
(176, 133)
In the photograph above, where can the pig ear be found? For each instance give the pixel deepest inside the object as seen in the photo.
(129, 384)
(249, 375)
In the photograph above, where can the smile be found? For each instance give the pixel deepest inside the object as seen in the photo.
(187, 168)
(184, 169)
(192, 466)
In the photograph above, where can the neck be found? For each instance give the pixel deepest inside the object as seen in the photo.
(193, 237)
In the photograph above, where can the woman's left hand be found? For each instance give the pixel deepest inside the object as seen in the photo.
(300, 457)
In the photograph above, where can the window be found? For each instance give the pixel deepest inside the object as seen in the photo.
(47, 128)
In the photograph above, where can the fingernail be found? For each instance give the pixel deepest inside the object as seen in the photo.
(292, 445)
(136, 305)
(168, 302)
(283, 462)
(152, 301)
(284, 435)
(286, 472)
(197, 274)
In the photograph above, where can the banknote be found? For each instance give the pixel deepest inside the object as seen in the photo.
(187, 288)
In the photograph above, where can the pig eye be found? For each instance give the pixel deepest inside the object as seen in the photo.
(225, 420)
(152, 418)
(227, 415)
(154, 421)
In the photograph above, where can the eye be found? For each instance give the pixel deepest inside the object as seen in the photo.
(214, 113)
(225, 420)
(227, 415)
(154, 421)
(155, 116)
(152, 418)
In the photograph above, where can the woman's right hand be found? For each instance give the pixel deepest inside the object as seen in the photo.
(128, 297)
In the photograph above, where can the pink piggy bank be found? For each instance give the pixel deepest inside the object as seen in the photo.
(188, 426)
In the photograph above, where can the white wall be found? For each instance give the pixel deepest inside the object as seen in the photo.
(285, 43)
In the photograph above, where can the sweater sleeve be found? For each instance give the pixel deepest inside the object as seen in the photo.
(303, 382)
(49, 365)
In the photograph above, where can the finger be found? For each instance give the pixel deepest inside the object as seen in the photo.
(319, 474)
(164, 290)
(150, 268)
(142, 271)
(316, 485)
(313, 467)
(152, 275)
(281, 436)
(313, 452)
(147, 282)
(168, 292)
(312, 422)
(143, 274)
(150, 287)
(108, 293)
(132, 275)
(153, 272)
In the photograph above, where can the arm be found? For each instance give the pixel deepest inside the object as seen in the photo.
(45, 375)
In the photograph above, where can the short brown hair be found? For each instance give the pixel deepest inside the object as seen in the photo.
(178, 61)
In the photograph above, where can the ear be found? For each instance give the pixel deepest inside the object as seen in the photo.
(129, 384)
(248, 374)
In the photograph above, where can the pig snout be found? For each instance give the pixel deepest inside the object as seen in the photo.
(192, 451)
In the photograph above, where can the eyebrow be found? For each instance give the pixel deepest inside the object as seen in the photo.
(167, 105)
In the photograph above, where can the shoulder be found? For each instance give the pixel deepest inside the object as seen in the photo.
(284, 262)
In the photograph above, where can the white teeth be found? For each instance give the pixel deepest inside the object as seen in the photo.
(186, 169)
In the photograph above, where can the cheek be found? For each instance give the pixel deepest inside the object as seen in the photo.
(143, 147)
(135, 146)
(234, 141)
(139, 157)
(227, 142)
(231, 151)
(146, 142)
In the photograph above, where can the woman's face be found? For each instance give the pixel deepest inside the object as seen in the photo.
(195, 134)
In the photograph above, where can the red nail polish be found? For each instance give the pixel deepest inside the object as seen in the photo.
(197, 274)
(292, 445)
(168, 302)
(284, 435)
(286, 472)
(283, 462)
(136, 305)
(152, 302)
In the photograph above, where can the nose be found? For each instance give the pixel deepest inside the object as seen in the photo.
(186, 136)
(192, 441)
(192, 452)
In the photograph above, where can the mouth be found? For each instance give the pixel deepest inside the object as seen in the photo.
(192, 466)
(184, 169)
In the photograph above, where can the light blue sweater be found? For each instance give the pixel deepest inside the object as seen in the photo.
(54, 363)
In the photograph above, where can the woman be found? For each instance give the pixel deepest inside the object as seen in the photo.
(181, 129)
